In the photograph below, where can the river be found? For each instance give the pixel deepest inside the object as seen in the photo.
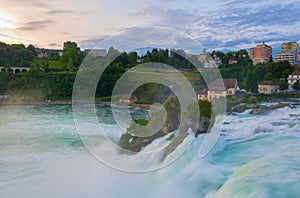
(41, 155)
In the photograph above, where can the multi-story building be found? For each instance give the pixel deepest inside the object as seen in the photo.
(222, 88)
(219, 88)
(289, 52)
(260, 54)
(294, 77)
(291, 46)
(290, 56)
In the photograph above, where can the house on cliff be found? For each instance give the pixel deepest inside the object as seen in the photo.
(219, 88)
(294, 77)
(267, 87)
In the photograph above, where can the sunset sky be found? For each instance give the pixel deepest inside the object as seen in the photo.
(221, 25)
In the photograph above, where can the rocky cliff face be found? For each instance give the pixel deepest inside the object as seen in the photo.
(132, 143)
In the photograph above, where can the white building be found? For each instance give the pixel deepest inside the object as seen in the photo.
(294, 77)
(97, 52)
(43, 54)
(218, 60)
(222, 88)
(203, 94)
(267, 87)
(290, 56)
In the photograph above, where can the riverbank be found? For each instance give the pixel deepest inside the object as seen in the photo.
(259, 103)
(64, 102)
(231, 101)
(60, 102)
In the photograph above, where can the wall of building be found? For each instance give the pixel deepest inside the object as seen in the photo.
(267, 89)
(261, 53)
(291, 57)
(293, 78)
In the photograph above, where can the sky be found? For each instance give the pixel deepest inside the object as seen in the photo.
(217, 24)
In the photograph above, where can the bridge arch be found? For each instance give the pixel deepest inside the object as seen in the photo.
(14, 69)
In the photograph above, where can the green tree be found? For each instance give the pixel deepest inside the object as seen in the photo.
(278, 68)
(69, 45)
(53, 55)
(286, 73)
(268, 76)
(31, 48)
(35, 66)
(260, 72)
(296, 86)
(73, 52)
(70, 63)
(132, 56)
(45, 64)
(283, 85)
(251, 81)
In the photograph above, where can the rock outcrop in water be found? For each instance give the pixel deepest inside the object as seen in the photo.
(257, 109)
(174, 121)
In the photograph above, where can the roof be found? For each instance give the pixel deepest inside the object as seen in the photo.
(203, 91)
(220, 84)
(127, 97)
(266, 82)
(296, 72)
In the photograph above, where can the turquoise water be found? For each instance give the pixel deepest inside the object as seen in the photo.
(41, 155)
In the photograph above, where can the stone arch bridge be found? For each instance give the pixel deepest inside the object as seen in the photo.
(14, 70)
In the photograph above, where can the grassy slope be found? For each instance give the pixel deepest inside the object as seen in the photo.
(52, 63)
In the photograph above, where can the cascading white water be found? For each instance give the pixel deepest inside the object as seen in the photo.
(41, 155)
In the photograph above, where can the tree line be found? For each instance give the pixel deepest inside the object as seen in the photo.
(58, 83)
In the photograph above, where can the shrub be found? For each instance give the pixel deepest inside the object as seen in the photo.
(170, 137)
(252, 100)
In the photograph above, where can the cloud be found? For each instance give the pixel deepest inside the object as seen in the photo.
(60, 11)
(41, 4)
(4, 35)
(231, 3)
(88, 43)
(145, 37)
(233, 25)
(54, 45)
(266, 16)
(35, 25)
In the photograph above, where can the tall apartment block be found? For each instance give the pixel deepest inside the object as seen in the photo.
(289, 52)
(286, 56)
(291, 46)
(260, 54)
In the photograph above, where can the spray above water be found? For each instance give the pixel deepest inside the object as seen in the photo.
(92, 69)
